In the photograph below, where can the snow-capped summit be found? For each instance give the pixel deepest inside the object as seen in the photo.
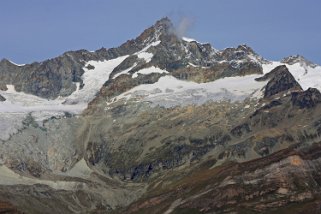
(291, 60)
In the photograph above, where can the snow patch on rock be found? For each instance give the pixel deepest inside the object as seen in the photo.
(94, 79)
(143, 54)
(149, 70)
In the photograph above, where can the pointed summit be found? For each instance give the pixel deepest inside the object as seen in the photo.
(5, 61)
(280, 80)
(164, 25)
(157, 32)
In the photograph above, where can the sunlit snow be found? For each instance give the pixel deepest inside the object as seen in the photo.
(186, 39)
(147, 56)
(169, 91)
(17, 64)
(93, 80)
(149, 70)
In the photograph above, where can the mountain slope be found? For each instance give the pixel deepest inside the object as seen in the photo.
(160, 124)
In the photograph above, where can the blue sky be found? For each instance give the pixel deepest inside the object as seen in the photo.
(34, 30)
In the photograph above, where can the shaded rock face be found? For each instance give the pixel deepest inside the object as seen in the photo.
(284, 110)
(48, 79)
(280, 122)
(239, 53)
(2, 99)
(307, 99)
(171, 53)
(201, 62)
(152, 34)
(236, 187)
(280, 80)
(137, 141)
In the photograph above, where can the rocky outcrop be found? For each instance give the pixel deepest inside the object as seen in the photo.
(2, 99)
(306, 99)
(281, 121)
(280, 80)
(48, 79)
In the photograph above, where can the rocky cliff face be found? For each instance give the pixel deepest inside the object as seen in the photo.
(47, 79)
(280, 80)
(175, 126)
(285, 182)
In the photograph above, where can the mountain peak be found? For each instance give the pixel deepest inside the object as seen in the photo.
(280, 80)
(246, 48)
(4, 60)
(306, 99)
(164, 23)
(291, 60)
(7, 62)
(162, 27)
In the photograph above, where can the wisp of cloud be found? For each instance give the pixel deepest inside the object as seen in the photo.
(184, 24)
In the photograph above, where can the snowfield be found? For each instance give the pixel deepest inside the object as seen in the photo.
(149, 70)
(93, 80)
(169, 91)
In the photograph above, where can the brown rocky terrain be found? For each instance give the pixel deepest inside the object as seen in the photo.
(287, 181)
